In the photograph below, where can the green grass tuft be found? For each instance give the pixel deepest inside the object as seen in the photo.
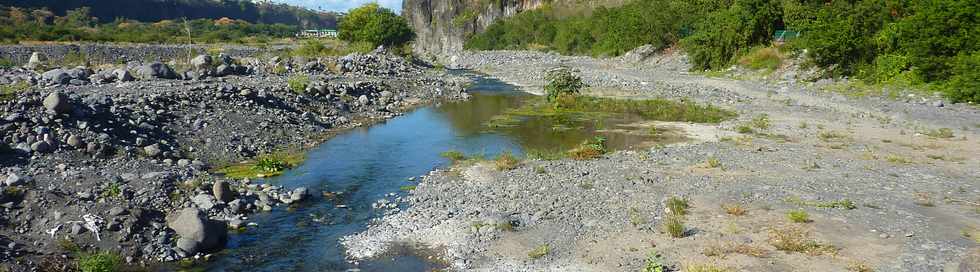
(99, 262)
(539, 252)
(798, 216)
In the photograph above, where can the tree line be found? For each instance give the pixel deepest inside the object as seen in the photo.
(932, 44)
(17, 24)
(108, 11)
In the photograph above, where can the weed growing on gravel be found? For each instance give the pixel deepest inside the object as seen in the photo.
(972, 233)
(654, 263)
(734, 209)
(844, 204)
(893, 158)
(762, 58)
(677, 206)
(943, 133)
(10, 91)
(794, 239)
(453, 155)
(539, 252)
(636, 218)
(673, 225)
(407, 188)
(713, 162)
(703, 267)
(761, 122)
(540, 170)
(562, 81)
(924, 199)
(68, 245)
(857, 266)
(745, 129)
(731, 248)
(590, 149)
(99, 262)
(298, 83)
(112, 190)
(832, 136)
(545, 155)
(506, 162)
(798, 216)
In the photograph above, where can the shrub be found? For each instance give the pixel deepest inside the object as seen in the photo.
(839, 34)
(376, 25)
(799, 216)
(453, 155)
(654, 263)
(794, 239)
(728, 32)
(673, 225)
(768, 58)
(734, 209)
(562, 81)
(99, 262)
(964, 84)
(677, 206)
(506, 161)
(590, 149)
(298, 83)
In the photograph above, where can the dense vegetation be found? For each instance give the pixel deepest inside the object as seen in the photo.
(926, 44)
(375, 25)
(265, 12)
(78, 25)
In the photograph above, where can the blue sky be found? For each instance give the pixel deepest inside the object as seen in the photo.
(342, 5)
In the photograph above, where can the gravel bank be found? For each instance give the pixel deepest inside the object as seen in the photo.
(914, 186)
(117, 157)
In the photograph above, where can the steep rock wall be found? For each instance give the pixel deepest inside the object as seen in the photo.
(441, 26)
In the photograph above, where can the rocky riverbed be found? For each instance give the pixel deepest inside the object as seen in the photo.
(118, 155)
(887, 184)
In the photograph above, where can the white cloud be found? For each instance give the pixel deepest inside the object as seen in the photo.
(342, 5)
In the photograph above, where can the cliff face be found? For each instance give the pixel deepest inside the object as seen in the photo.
(441, 26)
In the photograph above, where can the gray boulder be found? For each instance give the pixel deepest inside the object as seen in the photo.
(152, 150)
(57, 103)
(224, 70)
(80, 72)
(34, 62)
(197, 232)
(14, 180)
(201, 62)
(41, 147)
(222, 191)
(75, 141)
(56, 76)
(156, 70)
(204, 201)
(123, 75)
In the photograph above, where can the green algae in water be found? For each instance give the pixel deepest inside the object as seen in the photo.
(541, 125)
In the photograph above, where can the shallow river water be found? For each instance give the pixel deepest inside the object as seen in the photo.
(364, 165)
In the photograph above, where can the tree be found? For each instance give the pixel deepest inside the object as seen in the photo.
(376, 25)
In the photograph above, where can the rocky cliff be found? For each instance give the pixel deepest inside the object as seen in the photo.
(441, 26)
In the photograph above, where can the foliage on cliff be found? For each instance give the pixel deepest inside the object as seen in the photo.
(266, 12)
(18, 25)
(376, 25)
(926, 44)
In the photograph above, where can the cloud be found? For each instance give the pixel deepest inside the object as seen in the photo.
(342, 5)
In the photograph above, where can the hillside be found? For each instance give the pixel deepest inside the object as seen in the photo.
(442, 26)
(156, 10)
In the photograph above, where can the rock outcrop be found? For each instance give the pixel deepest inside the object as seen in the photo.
(441, 26)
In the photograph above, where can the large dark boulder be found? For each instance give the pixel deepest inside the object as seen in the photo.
(156, 70)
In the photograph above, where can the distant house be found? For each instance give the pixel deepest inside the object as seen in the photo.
(318, 33)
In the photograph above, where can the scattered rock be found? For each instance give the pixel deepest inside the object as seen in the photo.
(197, 233)
(222, 191)
(57, 103)
(156, 70)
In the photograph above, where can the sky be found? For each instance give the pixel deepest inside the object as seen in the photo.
(342, 5)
